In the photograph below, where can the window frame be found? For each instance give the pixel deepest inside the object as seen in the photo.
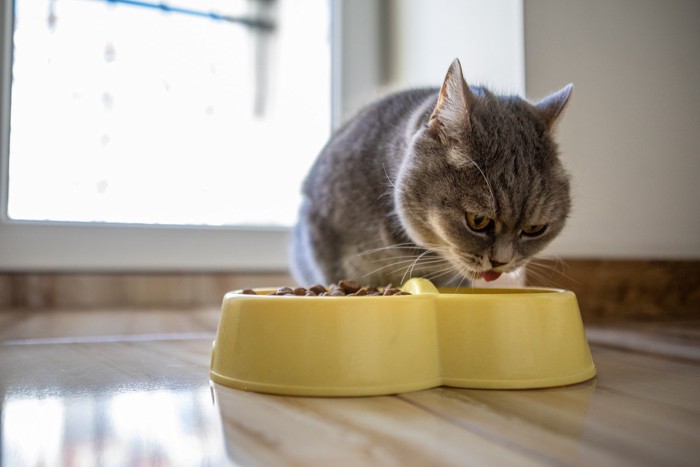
(80, 246)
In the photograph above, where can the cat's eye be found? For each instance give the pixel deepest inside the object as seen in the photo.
(534, 230)
(478, 222)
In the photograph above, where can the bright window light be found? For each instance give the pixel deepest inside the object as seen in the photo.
(128, 114)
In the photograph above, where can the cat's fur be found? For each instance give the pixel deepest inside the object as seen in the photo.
(388, 196)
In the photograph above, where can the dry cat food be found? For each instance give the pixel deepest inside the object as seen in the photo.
(341, 289)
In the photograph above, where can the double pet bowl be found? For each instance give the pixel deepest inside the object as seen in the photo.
(374, 345)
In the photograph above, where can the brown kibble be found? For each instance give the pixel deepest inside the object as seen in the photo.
(344, 288)
(391, 291)
(349, 286)
(318, 289)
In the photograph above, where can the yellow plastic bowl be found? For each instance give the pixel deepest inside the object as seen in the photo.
(373, 345)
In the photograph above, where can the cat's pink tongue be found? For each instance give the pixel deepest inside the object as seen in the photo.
(490, 276)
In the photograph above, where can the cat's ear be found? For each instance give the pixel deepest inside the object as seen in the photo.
(454, 101)
(552, 106)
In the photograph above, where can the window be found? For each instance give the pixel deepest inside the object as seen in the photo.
(122, 112)
(150, 139)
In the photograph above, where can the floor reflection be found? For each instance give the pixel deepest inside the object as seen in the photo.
(136, 427)
(32, 431)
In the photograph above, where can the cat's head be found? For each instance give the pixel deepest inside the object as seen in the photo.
(482, 184)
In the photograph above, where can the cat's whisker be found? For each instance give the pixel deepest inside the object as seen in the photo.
(559, 267)
(397, 246)
(408, 266)
(551, 204)
(542, 279)
(440, 273)
(429, 262)
(416, 264)
(465, 275)
(561, 188)
(435, 264)
(408, 258)
(462, 274)
(421, 260)
(387, 266)
(543, 271)
(391, 182)
(405, 264)
(426, 256)
(410, 270)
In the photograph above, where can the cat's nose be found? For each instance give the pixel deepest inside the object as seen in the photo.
(495, 264)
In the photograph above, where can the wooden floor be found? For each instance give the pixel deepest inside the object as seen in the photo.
(121, 387)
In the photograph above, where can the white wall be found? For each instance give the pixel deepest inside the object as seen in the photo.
(425, 36)
(631, 136)
(388, 45)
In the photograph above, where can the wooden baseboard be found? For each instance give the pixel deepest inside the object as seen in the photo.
(606, 289)
(625, 289)
(129, 290)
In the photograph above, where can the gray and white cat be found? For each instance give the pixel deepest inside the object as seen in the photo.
(450, 184)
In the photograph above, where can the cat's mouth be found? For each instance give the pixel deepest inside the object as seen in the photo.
(490, 276)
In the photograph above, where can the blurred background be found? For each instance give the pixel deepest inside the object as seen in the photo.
(153, 152)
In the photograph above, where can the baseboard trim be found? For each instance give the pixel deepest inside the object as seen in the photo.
(612, 289)
(128, 290)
